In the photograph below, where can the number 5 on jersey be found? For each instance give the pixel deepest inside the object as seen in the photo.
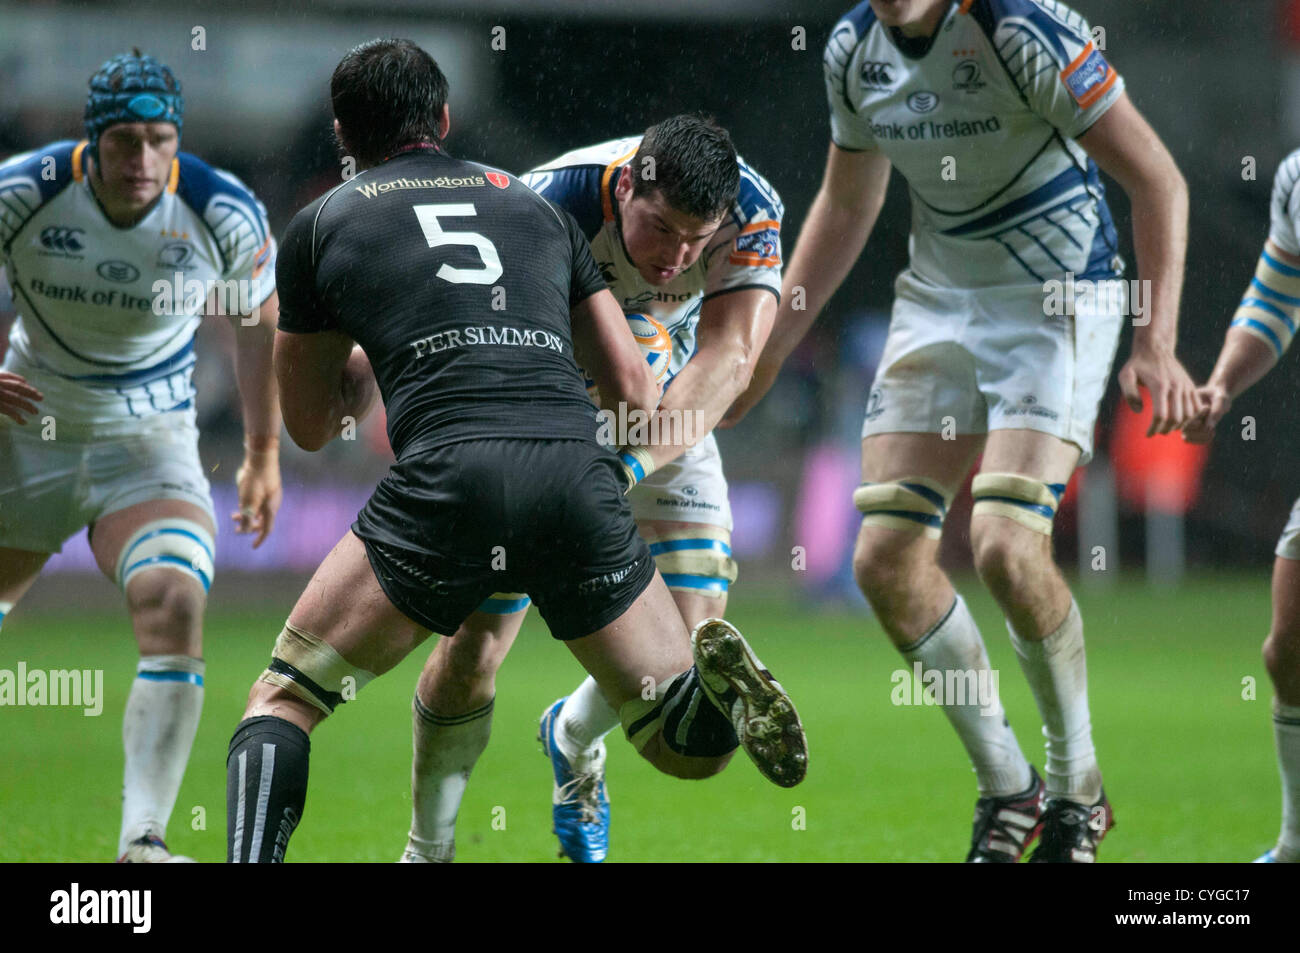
(433, 232)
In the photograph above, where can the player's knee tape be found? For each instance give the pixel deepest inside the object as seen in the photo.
(910, 505)
(690, 724)
(307, 667)
(1271, 308)
(1029, 502)
(505, 603)
(696, 560)
(178, 544)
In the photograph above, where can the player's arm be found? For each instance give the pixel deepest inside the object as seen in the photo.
(17, 396)
(1130, 152)
(604, 346)
(838, 224)
(730, 335)
(323, 378)
(1255, 341)
(258, 479)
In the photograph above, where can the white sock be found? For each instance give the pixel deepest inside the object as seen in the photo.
(585, 718)
(1286, 731)
(954, 645)
(1057, 671)
(5, 607)
(446, 750)
(162, 716)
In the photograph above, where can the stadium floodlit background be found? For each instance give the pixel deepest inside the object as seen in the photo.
(1182, 535)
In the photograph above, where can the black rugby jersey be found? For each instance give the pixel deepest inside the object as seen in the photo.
(456, 280)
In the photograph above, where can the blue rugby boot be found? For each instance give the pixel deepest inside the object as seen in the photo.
(579, 804)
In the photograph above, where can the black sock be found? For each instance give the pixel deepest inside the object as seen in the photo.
(266, 788)
(692, 724)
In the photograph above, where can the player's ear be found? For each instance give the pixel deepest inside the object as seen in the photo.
(444, 122)
(623, 188)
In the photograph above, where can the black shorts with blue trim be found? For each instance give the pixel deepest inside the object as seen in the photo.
(447, 528)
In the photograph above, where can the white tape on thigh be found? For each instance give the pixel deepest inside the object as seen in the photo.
(174, 543)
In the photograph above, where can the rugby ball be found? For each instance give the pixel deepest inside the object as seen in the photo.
(655, 343)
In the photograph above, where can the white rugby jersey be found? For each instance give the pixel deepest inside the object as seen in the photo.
(981, 122)
(107, 315)
(744, 253)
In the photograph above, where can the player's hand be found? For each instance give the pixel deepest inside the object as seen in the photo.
(762, 381)
(1215, 402)
(17, 397)
(1174, 400)
(258, 482)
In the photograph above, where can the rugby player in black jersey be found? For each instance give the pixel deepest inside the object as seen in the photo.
(468, 302)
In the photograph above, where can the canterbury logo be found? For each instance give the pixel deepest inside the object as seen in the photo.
(58, 238)
(877, 75)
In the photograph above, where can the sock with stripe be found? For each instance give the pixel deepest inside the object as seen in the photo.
(692, 724)
(585, 718)
(1286, 732)
(266, 789)
(954, 645)
(158, 727)
(1058, 676)
(446, 750)
(4, 611)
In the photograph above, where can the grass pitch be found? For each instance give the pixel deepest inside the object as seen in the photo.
(1187, 753)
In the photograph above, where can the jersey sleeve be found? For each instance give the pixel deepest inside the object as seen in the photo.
(746, 253)
(301, 309)
(586, 279)
(1048, 51)
(848, 129)
(1284, 210)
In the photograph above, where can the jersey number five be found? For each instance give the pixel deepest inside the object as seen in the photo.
(429, 215)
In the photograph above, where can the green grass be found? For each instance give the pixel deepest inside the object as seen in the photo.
(1189, 764)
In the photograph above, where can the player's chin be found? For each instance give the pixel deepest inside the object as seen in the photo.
(659, 276)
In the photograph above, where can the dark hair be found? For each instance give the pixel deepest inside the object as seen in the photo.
(694, 166)
(387, 94)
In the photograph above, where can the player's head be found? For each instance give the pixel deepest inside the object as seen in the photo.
(678, 189)
(133, 118)
(907, 13)
(387, 94)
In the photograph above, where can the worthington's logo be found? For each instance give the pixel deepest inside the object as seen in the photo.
(76, 688)
(371, 189)
(134, 907)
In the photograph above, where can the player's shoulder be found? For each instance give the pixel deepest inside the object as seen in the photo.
(579, 180)
(47, 170)
(856, 22)
(757, 197)
(1060, 30)
(1287, 175)
(220, 197)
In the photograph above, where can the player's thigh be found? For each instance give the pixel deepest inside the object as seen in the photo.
(643, 647)
(18, 570)
(345, 607)
(1021, 480)
(892, 535)
(460, 665)
(696, 564)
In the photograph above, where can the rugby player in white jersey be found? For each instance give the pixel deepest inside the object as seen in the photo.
(688, 233)
(997, 113)
(110, 246)
(1258, 336)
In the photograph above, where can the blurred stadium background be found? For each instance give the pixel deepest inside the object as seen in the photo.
(1219, 81)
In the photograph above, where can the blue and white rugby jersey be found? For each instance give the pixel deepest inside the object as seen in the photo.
(1284, 210)
(982, 125)
(107, 315)
(744, 253)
